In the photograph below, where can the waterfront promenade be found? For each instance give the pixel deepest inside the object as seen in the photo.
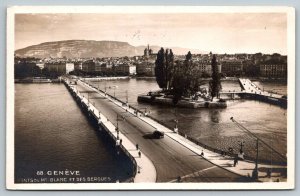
(171, 159)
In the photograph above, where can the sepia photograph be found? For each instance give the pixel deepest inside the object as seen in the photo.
(150, 98)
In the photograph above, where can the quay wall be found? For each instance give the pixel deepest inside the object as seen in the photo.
(106, 78)
(267, 99)
(181, 103)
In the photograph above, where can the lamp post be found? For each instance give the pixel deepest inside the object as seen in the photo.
(242, 144)
(117, 128)
(126, 98)
(176, 121)
(176, 126)
(255, 170)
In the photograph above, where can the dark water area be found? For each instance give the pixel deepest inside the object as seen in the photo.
(213, 127)
(52, 134)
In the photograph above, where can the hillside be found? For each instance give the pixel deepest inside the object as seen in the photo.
(88, 48)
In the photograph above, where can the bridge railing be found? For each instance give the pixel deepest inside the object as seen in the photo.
(85, 105)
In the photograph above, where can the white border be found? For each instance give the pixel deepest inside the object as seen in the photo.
(290, 184)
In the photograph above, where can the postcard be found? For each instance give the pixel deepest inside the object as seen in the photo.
(150, 98)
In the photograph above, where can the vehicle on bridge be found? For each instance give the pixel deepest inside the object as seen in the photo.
(158, 134)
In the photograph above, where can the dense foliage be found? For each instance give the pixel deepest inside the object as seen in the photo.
(180, 78)
(215, 83)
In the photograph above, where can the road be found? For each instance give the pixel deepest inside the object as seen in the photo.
(169, 157)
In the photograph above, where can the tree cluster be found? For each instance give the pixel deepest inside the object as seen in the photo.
(25, 69)
(179, 78)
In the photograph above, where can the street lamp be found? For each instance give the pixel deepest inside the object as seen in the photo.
(176, 126)
(117, 128)
(176, 122)
(255, 170)
(126, 98)
(242, 144)
(114, 87)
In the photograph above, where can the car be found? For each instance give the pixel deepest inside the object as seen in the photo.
(158, 134)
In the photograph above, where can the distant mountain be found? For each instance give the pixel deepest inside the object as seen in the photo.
(89, 48)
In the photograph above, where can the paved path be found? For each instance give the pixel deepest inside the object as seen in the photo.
(170, 157)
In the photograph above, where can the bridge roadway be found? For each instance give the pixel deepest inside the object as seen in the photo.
(170, 158)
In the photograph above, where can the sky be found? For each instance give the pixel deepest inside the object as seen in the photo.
(216, 32)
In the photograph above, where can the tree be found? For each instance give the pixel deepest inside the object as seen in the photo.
(169, 68)
(164, 65)
(186, 79)
(188, 56)
(215, 83)
(160, 69)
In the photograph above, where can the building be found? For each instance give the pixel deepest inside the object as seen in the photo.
(69, 67)
(145, 69)
(205, 68)
(41, 65)
(148, 52)
(58, 67)
(125, 69)
(232, 67)
(89, 66)
(78, 65)
(273, 70)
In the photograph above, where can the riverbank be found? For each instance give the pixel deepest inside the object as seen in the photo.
(38, 80)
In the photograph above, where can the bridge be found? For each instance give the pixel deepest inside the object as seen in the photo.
(251, 91)
(174, 158)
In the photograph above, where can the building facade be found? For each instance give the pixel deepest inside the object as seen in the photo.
(145, 69)
(232, 67)
(69, 67)
(125, 69)
(89, 66)
(273, 70)
(58, 67)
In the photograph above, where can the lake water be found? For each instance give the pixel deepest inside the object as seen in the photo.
(52, 134)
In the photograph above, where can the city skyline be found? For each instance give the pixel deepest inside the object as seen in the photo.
(216, 32)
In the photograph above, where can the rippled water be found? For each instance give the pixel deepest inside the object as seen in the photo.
(213, 127)
(51, 134)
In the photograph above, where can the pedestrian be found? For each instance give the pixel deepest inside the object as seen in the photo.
(120, 141)
(137, 146)
(140, 154)
(178, 179)
(202, 153)
(235, 161)
(269, 173)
